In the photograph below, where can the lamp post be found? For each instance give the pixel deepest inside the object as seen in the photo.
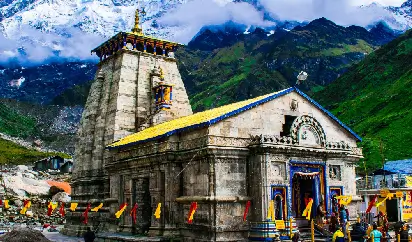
(301, 77)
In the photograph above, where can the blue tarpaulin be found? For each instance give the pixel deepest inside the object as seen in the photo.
(399, 166)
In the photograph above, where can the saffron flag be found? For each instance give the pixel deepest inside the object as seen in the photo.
(27, 205)
(6, 204)
(121, 210)
(192, 211)
(271, 210)
(157, 213)
(308, 210)
(86, 214)
(371, 204)
(246, 210)
(73, 206)
(97, 208)
(133, 212)
(61, 210)
(52, 206)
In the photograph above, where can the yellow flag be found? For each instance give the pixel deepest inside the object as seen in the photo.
(53, 205)
(97, 208)
(346, 200)
(24, 209)
(271, 210)
(306, 213)
(6, 204)
(121, 210)
(73, 206)
(157, 213)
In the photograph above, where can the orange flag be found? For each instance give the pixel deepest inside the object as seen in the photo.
(121, 210)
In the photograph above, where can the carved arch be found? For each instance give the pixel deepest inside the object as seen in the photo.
(307, 121)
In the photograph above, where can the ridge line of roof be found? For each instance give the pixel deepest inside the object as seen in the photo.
(328, 113)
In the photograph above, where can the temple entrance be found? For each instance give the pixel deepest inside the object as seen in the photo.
(304, 189)
(141, 196)
(307, 182)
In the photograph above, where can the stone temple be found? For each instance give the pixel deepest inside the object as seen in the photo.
(139, 142)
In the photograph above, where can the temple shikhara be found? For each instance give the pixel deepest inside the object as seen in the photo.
(140, 143)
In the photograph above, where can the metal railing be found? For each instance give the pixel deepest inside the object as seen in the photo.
(398, 182)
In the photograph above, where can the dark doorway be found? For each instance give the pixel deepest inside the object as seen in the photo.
(144, 209)
(392, 210)
(303, 190)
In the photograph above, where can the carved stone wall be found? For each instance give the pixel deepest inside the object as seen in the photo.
(119, 104)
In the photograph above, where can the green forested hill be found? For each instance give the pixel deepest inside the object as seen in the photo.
(375, 99)
(12, 153)
(261, 63)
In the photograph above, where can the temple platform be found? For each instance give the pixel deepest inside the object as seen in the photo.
(125, 237)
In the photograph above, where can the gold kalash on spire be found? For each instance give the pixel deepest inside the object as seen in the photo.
(136, 40)
(137, 29)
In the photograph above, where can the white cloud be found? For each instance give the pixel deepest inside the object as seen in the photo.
(195, 14)
(39, 47)
(339, 11)
(395, 3)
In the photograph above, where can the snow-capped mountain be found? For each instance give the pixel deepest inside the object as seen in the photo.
(397, 18)
(39, 30)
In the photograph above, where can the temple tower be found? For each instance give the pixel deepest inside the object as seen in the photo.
(137, 85)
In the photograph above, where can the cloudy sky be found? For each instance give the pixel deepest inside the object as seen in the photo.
(383, 2)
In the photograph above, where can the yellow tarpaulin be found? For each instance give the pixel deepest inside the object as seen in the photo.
(407, 207)
(408, 181)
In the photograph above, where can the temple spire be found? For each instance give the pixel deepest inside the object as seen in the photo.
(137, 29)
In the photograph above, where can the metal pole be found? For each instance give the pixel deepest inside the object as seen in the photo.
(312, 230)
(398, 238)
(348, 232)
(290, 227)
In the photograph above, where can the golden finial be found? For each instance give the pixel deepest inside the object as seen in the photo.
(137, 29)
(162, 75)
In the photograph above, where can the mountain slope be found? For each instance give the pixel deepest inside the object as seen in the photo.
(374, 98)
(263, 62)
(55, 126)
(12, 153)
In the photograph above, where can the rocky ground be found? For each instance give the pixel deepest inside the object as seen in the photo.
(19, 184)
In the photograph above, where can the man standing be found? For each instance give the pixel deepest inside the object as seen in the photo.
(320, 213)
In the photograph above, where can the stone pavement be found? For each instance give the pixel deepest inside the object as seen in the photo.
(57, 237)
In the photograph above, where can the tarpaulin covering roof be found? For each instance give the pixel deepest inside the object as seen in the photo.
(209, 117)
(63, 185)
(399, 166)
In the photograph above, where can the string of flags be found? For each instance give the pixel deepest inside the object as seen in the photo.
(52, 206)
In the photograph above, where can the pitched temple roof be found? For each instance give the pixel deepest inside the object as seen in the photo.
(209, 117)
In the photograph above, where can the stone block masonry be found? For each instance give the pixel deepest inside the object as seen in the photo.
(120, 103)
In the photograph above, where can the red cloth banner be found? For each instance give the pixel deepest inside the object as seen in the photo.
(192, 211)
(371, 204)
(61, 210)
(246, 210)
(86, 214)
(49, 209)
(133, 212)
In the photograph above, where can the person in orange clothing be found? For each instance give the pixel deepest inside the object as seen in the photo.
(306, 199)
